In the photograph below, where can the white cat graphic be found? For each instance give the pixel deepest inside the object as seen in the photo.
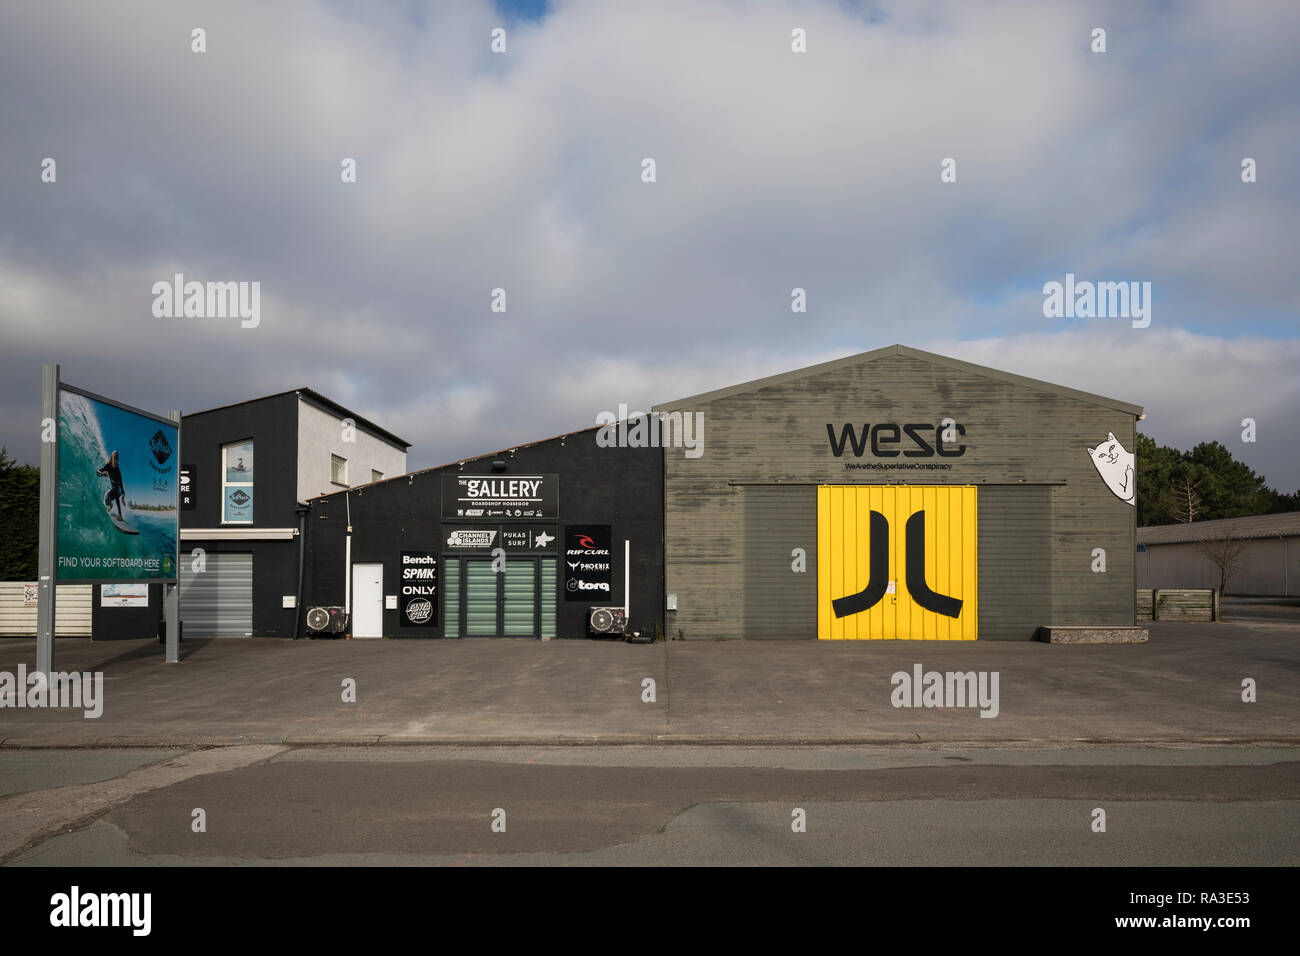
(1115, 465)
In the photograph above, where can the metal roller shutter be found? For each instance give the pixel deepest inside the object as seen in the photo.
(480, 598)
(218, 601)
(1016, 583)
(780, 603)
(451, 598)
(548, 592)
(518, 612)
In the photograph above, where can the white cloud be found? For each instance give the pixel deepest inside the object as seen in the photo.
(521, 171)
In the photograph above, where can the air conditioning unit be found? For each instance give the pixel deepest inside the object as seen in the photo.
(607, 621)
(327, 620)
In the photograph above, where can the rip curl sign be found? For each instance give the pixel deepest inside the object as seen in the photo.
(587, 563)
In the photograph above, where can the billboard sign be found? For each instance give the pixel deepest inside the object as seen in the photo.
(117, 492)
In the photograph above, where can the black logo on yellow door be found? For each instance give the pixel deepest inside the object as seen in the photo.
(877, 584)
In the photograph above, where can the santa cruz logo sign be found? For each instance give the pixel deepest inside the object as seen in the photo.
(419, 611)
(889, 440)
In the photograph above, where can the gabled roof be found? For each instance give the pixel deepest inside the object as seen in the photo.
(316, 398)
(1256, 526)
(903, 350)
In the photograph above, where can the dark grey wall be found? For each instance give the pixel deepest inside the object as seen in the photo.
(272, 423)
(1014, 433)
(621, 487)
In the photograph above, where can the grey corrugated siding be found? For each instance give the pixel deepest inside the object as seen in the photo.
(1015, 560)
(779, 603)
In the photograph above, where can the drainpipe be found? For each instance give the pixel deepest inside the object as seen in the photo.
(1286, 584)
(627, 581)
(347, 566)
(302, 538)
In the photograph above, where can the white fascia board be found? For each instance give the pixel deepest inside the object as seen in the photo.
(238, 534)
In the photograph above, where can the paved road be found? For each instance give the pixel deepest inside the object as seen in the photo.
(938, 805)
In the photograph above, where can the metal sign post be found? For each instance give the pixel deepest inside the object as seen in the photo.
(49, 520)
(172, 590)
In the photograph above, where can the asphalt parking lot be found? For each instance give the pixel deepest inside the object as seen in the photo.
(1185, 684)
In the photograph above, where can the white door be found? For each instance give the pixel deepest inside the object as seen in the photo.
(367, 600)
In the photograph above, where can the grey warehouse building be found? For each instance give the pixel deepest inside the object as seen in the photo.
(1262, 553)
(898, 494)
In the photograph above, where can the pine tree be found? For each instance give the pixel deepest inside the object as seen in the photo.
(20, 518)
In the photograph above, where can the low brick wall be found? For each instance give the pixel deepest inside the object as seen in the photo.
(1177, 604)
(1092, 635)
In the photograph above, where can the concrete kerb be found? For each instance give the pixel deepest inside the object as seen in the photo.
(635, 740)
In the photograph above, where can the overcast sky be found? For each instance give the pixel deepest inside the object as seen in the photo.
(522, 170)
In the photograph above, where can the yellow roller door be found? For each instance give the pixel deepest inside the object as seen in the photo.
(896, 562)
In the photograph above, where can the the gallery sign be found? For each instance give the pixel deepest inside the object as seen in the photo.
(498, 496)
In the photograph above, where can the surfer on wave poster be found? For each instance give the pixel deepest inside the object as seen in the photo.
(116, 492)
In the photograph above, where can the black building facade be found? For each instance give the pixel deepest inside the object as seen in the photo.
(520, 543)
(248, 471)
